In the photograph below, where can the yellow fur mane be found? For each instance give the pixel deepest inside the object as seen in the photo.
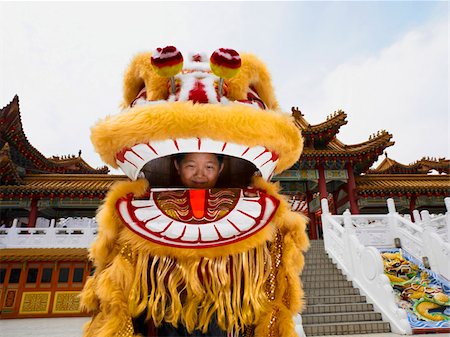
(251, 285)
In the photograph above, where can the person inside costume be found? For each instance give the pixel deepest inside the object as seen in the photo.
(186, 248)
(199, 170)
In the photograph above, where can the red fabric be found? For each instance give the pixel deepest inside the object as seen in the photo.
(198, 93)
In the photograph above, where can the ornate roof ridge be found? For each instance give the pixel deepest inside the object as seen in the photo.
(424, 165)
(335, 145)
(404, 176)
(77, 162)
(43, 254)
(8, 171)
(336, 119)
(74, 176)
(401, 184)
(381, 136)
(76, 185)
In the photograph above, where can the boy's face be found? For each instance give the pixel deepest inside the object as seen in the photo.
(199, 170)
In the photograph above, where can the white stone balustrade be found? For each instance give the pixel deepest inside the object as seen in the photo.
(352, 242)
(77, 235)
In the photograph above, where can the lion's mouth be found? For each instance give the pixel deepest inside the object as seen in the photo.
(132, 160)
(197, 218)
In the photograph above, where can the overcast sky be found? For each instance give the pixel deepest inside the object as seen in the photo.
(385, 63)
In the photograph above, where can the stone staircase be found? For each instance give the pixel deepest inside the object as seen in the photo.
(333, 306)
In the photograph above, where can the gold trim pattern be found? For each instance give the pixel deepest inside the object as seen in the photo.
(127, 330)
(127, 253)
(67, 302)
(276, 251)
(10, 298)
(36, 302)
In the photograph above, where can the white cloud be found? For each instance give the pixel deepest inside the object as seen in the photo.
(403, 89)
(66, 61)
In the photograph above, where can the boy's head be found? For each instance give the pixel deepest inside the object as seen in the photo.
(199, 170)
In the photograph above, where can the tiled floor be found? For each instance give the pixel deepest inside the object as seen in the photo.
(42, 327)
(71, 327)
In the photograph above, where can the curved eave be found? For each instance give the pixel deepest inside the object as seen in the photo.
(390, 166)
(8, 171)
(319, 133)
(76, 184)
(12, 132)
(78, 165)
(337, 148)
(43, 254)
(394, 184)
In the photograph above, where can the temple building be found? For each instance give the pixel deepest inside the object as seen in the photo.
(43, 258)
(48, 205)
(341, 173)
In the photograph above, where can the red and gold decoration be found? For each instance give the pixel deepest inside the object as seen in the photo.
(225, 63)
(168, 62)
(191, 256)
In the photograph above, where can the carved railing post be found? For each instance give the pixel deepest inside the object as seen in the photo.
(393, 221)
(349, 248)
(416, 216)
(447, 217)
(427, 250)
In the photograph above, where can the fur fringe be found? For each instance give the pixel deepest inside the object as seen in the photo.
(192, 292)
(234, 123)
(177, 286)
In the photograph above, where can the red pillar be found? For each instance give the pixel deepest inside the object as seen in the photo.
(33, 212)
(351, 189)
(312, 218)
(322, 183)
(412, 206)
(335, 201)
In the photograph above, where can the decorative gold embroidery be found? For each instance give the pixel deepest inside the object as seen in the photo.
(273, 320)
(249, 331)
(276, 251)
(127, 253)
(127, 330)
(287, 295)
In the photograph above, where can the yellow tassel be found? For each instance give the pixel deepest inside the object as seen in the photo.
(139, 289)
(231, 289)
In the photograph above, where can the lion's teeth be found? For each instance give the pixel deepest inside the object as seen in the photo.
(208, 233)
(243, 223)
(226, 230)
(191, 233)
(174, 231)
(140, 154)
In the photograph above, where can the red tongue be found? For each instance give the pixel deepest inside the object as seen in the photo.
(197, 200)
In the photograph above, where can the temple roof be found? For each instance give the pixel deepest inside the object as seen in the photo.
(8, 170)
(322, 145)
(422, 184)
(361, 155)
(24, 155)
(77, 184)
(43, 254)
(320, 134)
(424, 165)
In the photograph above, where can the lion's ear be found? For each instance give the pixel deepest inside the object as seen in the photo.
(253, 76)
(140, 74)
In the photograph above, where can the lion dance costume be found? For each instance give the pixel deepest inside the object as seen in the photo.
(170, 255)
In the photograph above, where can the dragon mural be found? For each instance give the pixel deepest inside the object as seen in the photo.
(419, 291)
